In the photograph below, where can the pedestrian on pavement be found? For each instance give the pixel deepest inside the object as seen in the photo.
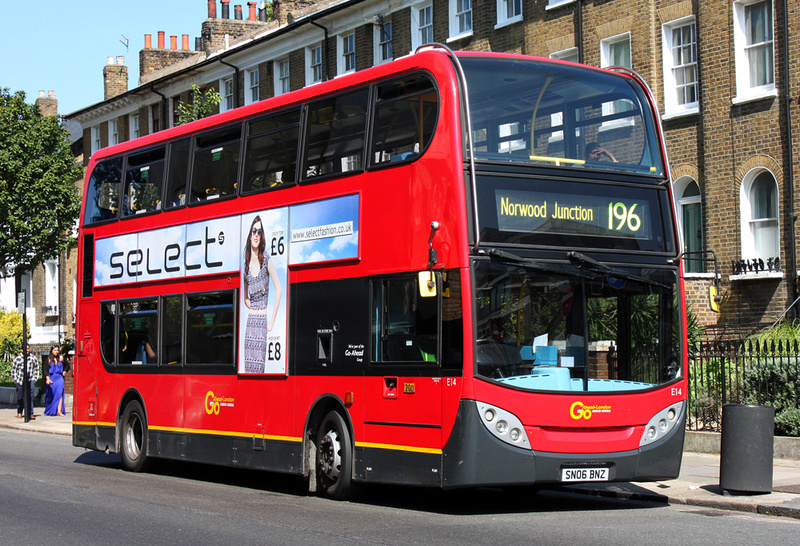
(18, 373)
(54, 397)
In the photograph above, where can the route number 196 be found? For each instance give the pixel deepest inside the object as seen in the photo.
(621, 216)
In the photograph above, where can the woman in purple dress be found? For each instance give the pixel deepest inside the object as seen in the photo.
(54, 397)
(257, 271)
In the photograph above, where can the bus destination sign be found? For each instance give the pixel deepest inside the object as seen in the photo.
(565, 213)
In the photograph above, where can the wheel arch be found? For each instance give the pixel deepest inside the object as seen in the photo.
(129, 396)
(324, 404)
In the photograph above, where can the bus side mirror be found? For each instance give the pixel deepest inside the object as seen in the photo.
(714, 298)
(427, 284)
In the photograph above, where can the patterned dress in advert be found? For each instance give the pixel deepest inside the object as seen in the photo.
(255, 333)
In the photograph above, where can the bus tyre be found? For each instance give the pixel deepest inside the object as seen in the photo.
(334, 457)
(133, 439)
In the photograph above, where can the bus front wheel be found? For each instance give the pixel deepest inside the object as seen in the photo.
(334, 457)
(133, 439)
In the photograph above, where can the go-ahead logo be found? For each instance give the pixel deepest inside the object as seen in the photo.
(579, 410)
(214, 403)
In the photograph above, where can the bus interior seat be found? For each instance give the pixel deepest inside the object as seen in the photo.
(172, 353)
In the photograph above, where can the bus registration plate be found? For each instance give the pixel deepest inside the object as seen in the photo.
(584, 474)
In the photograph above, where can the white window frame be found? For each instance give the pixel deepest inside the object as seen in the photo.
(380, 34)
(569, 54)
(744, 91)
(51, 287)
(750, 249)
(606, 46)
(133, 126)
(421, 24)
(97, 142)
(226, 90)
(113, 132)
(253, 93)
(672, 106)
(314, 59)
(460, 15)
(508, 12)
(679, 187)
(605, 49)
(347, 56)
(552, 4)
(282, 72)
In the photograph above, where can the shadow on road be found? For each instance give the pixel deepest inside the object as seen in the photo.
(469, 501)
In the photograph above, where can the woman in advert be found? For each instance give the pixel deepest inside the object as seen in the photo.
(257, 271)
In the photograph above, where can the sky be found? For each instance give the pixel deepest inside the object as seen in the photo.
(64, 45)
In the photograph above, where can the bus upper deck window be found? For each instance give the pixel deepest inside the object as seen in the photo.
(144, 178)
(216, 164)
(102, 193)
(335, 135)
(177, 173)
(271, 154)
(405, 118)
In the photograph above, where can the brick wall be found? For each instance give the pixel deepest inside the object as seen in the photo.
(214, 31)
(115, 80)
(153, 59)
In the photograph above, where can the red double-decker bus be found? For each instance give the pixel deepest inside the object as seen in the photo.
(449, 270)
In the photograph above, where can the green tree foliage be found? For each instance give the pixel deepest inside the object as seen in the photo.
(267, 6)
(202, 104)
(10, 342)
(39, 201)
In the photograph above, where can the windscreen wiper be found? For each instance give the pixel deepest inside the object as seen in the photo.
(502, 255)
(584, 262)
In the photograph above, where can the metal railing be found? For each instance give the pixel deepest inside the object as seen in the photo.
(725, 371)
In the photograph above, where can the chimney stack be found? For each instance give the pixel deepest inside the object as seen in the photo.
(155, 59)
(115, 77)
(217, 33)
(48, 105)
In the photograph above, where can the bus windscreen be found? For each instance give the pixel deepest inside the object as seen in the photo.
(542, 113)
(576, 328)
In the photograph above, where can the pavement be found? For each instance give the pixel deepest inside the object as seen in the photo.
(697, 485)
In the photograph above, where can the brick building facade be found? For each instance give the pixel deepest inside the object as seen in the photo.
(716, 67)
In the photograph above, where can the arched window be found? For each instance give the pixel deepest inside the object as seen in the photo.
(690, 218)
(759, 209)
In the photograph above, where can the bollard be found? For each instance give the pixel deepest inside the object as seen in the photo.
(746, 448)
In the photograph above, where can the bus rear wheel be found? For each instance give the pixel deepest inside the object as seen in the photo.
(334, 457)
(133, 438)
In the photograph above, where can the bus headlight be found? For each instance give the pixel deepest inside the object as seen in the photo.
(661, 423)
(503, 425)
